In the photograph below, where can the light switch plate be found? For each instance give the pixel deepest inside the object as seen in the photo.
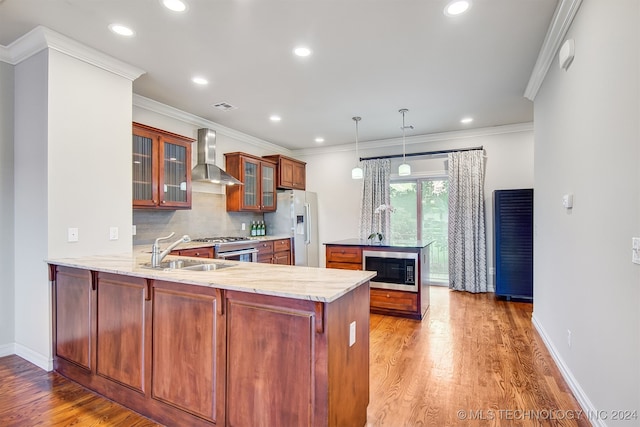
(113, 233)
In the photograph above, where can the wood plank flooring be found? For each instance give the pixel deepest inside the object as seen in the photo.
(473, 361)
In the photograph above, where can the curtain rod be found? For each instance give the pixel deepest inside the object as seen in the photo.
(424, 153)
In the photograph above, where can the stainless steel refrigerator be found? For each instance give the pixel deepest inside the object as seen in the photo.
(297, 216)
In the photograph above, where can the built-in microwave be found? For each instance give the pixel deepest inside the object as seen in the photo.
(395, 270)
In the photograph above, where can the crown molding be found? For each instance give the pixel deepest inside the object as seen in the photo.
(5, 55)
(560, 23)
(166, 110)
(41, 38)
(419, 139)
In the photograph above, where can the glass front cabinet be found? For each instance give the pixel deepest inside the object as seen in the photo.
(258, 194)
(161, 169)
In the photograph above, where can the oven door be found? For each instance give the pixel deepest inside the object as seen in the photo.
(395, 270)
(247, 255)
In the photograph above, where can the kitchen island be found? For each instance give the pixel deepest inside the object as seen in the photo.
(243, 344)
(400, 287)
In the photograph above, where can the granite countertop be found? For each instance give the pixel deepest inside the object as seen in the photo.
(307, 283)
(416, 244)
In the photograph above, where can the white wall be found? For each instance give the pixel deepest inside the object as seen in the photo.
(7, 323)
(32, 294)
(89, 157)
(72, 169)
(586, 143)
(509, 164)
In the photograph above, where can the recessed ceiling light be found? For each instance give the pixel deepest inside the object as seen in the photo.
(175, 5)
(275, 118)
(456, 7)
(302, 51)
(121, 30)
(466, 120)
(200, 81)
(319, 140)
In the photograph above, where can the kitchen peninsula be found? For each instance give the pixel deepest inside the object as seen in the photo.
(400, 287)
(219, 343)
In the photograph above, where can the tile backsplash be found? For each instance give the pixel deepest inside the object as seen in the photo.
(207, 217)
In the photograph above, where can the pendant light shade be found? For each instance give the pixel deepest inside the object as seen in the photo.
(356, 172)
(404, 169)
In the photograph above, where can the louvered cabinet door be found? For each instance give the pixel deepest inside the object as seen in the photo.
(513, 243)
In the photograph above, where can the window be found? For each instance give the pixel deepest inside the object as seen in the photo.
(422, 212)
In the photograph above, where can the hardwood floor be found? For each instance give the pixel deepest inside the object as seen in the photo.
(472, 361)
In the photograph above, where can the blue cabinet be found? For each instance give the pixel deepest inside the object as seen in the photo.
(513, 243)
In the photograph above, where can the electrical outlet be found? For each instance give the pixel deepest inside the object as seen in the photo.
(113, 233)
(72, 234)
(244, 226)
(569, 337)
(635, 250)
(133, 230)
(352, 333)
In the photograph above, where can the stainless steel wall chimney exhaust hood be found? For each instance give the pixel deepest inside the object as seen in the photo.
(206, 169)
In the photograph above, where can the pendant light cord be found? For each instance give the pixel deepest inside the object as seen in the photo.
(356, 119)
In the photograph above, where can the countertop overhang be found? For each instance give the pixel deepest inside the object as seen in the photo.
(306, 283)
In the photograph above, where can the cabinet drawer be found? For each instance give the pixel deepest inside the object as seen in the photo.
(351, 254)
(265, 248)
(344, 265)
(206, 252)
(394, 300)
(281, 245)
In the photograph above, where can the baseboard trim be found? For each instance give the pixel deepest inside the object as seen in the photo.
(7, 349)
(34, 357)
(572, 382)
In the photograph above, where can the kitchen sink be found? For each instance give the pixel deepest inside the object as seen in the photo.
(207, 267)
(188, 264)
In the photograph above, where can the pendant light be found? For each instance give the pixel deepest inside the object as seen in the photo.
(356, 172)
(404, 169)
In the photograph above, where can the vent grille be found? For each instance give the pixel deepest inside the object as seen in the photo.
(224, 106)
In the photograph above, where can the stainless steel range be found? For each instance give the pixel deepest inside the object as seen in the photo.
(233, 248)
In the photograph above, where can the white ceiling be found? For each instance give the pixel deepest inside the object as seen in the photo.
(370, 58)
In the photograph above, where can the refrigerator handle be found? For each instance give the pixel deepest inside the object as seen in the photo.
(307, 223)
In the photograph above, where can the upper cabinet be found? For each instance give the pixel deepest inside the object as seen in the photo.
(161, 169)
(291, 172)
(258, 194)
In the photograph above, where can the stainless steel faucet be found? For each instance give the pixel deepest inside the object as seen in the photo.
(157, 256)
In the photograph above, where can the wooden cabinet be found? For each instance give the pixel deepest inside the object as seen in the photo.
(122, 325)
(275, 251)
(204, 252)
(258, 194)
(384, 301)
(74, 309)
(344, 257)
(396, 301)
(282, 252)
(150, 345)
(291, 173)
(188, 355)
(188, 350)
(161, 169)
(296, 353)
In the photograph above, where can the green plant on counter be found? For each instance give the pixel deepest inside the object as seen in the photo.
(378, 236)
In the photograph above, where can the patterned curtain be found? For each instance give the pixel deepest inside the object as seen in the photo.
(375, 192)
(467, 239)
